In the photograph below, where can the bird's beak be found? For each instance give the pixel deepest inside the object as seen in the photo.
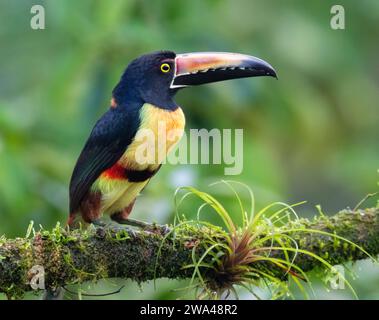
(206, 67)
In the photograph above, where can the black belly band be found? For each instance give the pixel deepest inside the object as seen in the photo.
(139, 175)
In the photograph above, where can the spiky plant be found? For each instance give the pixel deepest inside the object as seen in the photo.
(232, 261)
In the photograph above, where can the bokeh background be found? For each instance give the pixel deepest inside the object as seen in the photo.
(313, 135)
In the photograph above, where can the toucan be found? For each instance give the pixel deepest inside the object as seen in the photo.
(110, 172)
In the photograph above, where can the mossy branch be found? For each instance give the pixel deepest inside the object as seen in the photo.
(93, 254)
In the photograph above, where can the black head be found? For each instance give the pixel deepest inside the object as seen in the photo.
(148, 79)
(155, 78)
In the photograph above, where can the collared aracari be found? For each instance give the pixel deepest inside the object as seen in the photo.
(107, 176)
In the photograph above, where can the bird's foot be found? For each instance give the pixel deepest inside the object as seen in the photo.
(101, 225)
(121, 230)
(158, 229)
(149, 227)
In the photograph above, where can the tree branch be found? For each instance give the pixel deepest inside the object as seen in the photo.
(88, 255)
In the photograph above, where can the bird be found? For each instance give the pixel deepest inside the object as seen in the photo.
(107, 177)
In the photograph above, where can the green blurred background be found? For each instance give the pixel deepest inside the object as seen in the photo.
(313, 135)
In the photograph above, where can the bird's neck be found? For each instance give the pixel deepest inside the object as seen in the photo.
(127, 96)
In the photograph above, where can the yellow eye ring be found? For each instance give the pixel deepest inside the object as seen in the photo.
(165, 67)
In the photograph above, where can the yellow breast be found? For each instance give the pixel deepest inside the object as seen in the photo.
(160, 130)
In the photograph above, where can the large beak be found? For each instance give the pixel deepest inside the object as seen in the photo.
(206, 67)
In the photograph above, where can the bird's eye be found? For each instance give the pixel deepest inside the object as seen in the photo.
(165, 67)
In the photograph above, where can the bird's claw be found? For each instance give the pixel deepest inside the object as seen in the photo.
(131, 232)
(102, 228)
(151, 228)
(157, 229)
(99, 223)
